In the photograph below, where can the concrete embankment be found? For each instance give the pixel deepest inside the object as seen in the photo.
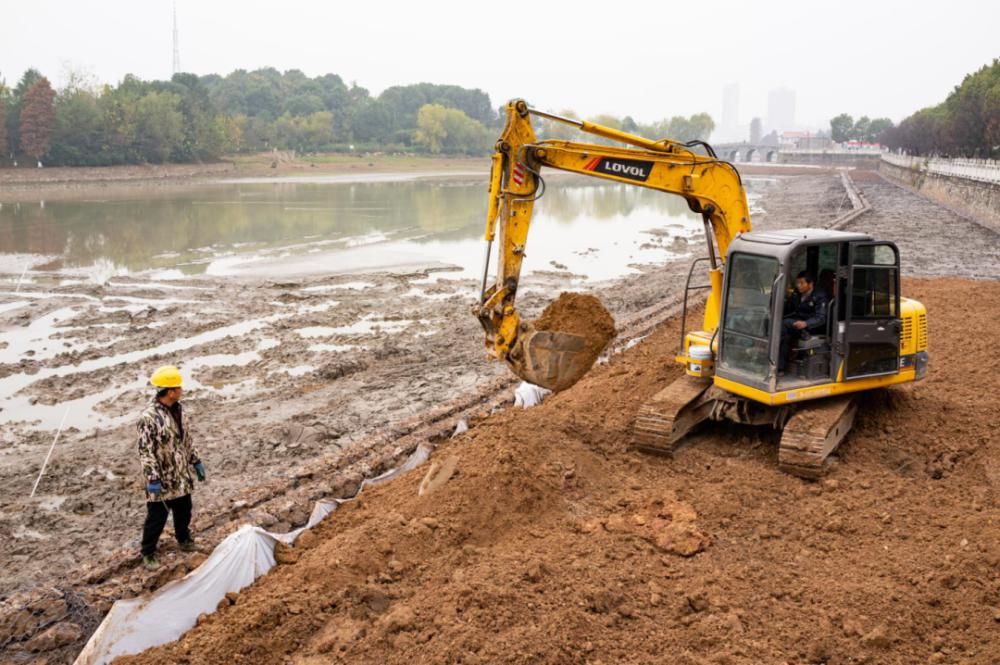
(978, 199)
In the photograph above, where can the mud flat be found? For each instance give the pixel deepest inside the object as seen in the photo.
(290, 381)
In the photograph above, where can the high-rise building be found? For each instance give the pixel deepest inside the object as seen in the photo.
(780, 110)
(730, 106)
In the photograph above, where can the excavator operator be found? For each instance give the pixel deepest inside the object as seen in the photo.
(804, 313)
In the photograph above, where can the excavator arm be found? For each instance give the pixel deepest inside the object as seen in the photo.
(711, 187)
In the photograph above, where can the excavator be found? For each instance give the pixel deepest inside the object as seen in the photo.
(872, 336)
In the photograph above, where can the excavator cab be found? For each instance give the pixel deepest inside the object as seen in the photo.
(859, 335)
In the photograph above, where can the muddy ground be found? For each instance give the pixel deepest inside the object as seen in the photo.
(287, 375)
(556, 543)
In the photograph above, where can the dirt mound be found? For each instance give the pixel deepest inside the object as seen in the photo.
(575, 313)
(580, 314)
(551, 541)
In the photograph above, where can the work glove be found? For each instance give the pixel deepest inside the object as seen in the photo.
(199, 470)
(154, 488)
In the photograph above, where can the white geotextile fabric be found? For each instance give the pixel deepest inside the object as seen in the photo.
(137, 624)
(528, 395)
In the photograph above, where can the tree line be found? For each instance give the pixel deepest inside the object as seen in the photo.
(192, 118)
(965, 124)
(200, 118)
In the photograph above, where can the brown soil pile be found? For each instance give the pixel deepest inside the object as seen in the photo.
(579, 314)
(553, 542)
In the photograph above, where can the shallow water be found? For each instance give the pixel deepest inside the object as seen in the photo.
(280, 228)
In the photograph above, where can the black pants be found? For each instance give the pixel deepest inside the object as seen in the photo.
(789, 333)
(156, 519)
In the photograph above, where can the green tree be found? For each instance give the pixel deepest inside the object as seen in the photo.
(441, 129)
(700, 127)
(861, 129)
(4, 149)
(78, 137)
(841, 127)
(37, 119)
(877, 129)
(159, 126)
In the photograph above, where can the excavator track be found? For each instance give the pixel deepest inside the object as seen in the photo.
(670, 414)
(813, 433)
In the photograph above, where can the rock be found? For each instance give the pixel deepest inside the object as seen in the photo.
(535, 571)
(55, 636)
(400, 618)
(262, 518)
(683, 540)
(877, 638)
(196, 559)
(852, 627)
(306, 540)
(698, 602)
(283, 554)
(437, 475)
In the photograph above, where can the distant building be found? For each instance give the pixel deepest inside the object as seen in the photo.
(729, 128)
(795, 140)
(780, 110)
(731, 105)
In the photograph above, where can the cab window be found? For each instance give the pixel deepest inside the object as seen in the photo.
(747, 326)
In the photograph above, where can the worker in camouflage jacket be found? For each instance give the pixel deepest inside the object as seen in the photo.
(169, 464)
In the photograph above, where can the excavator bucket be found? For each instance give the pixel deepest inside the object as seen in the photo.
(550, 359)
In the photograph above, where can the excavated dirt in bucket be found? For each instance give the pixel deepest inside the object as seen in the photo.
(580, 314)
(553, 542)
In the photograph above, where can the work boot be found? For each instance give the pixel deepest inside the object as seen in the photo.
(188, 546)
(150, 562)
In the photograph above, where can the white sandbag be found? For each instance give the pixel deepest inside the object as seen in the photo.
(416, 458)
(137, 624)
(528, 395)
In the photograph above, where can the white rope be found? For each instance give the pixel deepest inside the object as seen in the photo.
(21, 278)
(51, 448)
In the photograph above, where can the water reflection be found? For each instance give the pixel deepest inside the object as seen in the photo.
(228, 224)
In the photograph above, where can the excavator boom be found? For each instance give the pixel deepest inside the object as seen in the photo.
(556, 359)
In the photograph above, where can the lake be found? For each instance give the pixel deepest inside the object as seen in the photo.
(267, 229)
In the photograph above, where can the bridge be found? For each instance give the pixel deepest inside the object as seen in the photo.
(747, 152)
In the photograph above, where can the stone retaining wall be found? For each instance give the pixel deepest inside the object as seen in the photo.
(979, 200)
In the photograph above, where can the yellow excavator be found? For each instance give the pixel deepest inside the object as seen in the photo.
(871, 337)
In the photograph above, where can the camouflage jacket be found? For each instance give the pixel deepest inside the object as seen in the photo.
(164, 454)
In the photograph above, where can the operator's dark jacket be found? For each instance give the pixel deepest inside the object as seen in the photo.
(811, 309)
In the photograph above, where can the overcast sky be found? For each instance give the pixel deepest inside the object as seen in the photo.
(645, 59)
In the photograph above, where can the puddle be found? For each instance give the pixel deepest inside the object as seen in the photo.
(16, 407)
(366, 325)
(353, 286)
(37, 337)
(298, 370)
(158, 285)
(420, 293)
(9, 306)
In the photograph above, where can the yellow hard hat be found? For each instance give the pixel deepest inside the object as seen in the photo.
(167, 376)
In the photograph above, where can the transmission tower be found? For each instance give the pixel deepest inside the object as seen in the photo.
(177, 48)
